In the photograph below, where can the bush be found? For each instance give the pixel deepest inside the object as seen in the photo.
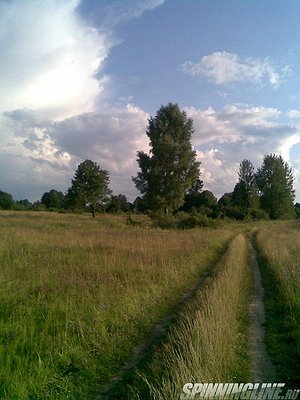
(257, 213)
(186, 221)
(131, 222)
(164, 221)
(183, 220)
(234, 213)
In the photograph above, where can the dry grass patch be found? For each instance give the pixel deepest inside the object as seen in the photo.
(279, 250)
(209, 343)
(78, 294)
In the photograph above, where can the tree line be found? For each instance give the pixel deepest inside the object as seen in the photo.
(170, 184)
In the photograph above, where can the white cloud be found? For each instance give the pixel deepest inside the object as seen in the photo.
(294, 114)
(49, 58)
(296, 171)
(109, 138)
(224, 138)
(223, 68)
(50, 151)
(52, 83)
(120, 11)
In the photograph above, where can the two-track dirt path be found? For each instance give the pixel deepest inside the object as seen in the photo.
(262, 369)
(110, 390)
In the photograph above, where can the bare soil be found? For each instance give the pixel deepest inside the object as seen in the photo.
(262, 369)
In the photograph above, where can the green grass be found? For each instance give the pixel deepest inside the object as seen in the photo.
(210, 341)
(279, 255)
(78, 294)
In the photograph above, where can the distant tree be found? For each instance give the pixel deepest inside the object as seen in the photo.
(118, 204)
(275, 183)
(170, 170)
(39, 206)
(297, 210)
(22, 205)
(6, 201)
(200, 200)
(24, 202)
(139, 205)
(193, 196)
(90, 186)
(53, 199)
(208, 199)
(245, 194)
(225, 200)
(227, 208)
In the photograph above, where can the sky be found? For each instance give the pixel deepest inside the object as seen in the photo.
(80, 78)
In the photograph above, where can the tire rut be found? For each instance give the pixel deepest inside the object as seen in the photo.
(262, 369)
(147, 346)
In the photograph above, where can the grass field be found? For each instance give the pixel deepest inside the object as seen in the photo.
(210, 341)
(78, 294)
(279, 250)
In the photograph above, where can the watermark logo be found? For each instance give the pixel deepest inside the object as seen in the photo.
(238, 391)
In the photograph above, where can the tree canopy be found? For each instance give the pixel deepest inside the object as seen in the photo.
(53, 199)
(90, 187)
(6, 201)
(275, 183)
(245, 194)
(171, 169)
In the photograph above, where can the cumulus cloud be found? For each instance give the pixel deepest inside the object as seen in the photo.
(223, 68)
(49, 151)
(224, 138)
(52, 83)
(294, 114)
(55, 148)
(49, 57)
(111, 137)
(115, 12)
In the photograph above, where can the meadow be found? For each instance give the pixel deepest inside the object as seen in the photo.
(279, 251)
(210, 341)
(77, 295)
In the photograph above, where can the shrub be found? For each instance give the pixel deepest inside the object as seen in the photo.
(257, 213)
(165, 221)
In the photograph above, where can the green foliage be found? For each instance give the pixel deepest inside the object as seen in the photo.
(197, 199)
(245, 194)
(275, 182)
(39, 206)
(171, 169)
(118, 204)
(89, 187)
(53, 199)
(6, 201)
(225, 200)
(22, 205)
(183, 220)
(139, 205)
(234, 212)
(257, 214)
(297, 210)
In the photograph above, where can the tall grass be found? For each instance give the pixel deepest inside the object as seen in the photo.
(209, 344)
(279, 250)
(77, 295)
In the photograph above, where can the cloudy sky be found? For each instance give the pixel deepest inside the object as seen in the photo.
(80, 78)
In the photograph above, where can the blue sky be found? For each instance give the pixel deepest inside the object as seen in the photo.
(79, 79)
